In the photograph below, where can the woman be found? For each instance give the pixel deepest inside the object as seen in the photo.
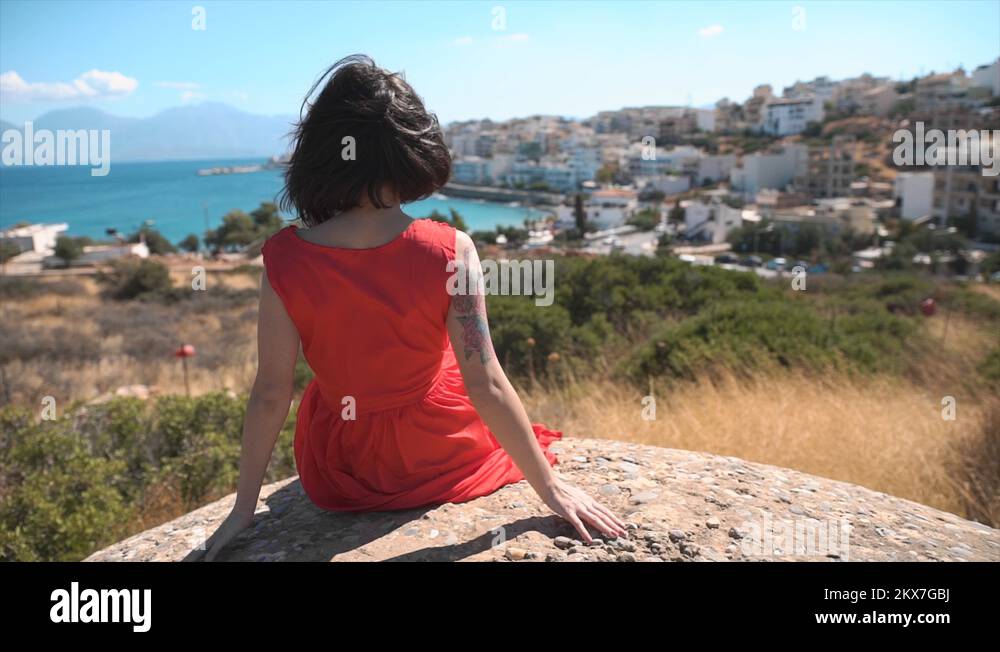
(409, 405)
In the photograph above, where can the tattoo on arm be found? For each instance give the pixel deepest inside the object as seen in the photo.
(470, 310)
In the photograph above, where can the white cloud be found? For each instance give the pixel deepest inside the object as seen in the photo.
(93, 84)
(463, 40)
(519, 36)
(179, 85)
(710, 31)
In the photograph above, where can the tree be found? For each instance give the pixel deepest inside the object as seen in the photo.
(190, 243)
(128, 278)
(8, 250)
(455, 220)
(68, 249)
(676, 214)
(157, 243)
(579, 214)
(267, 218)
(645, 220)
(239, 230)
(606, 174)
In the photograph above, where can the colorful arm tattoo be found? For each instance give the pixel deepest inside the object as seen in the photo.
(470, 310)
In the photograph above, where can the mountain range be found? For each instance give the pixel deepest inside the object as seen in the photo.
(210, 130)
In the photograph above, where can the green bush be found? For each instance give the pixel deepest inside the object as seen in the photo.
(73, 485)
(59, 500)
(130, 278)
(743, 335)
(990, 366)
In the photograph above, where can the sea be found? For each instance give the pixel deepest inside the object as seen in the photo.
(171, 197)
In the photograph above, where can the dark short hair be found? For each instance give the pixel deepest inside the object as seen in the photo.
(396, 142)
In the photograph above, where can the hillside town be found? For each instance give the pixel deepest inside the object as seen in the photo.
(816, 157)
(807, 177)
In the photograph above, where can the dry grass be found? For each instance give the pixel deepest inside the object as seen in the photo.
(86, 347)
(882, 433)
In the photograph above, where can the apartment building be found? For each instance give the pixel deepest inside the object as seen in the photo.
(728, 116)
(605, 208)
(822, 88)
(836, 216)
(668, 184)
(878, 101)
(964, 192)
(710, 222)
(849, 94)
(826, 170)
(988, 76)
(675, 128)
(775, 170)
(35, 238)
(753, 108)
(789, 116)
(914, 194)
(943, 91)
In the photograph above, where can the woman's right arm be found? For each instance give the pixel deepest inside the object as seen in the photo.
(500, 407)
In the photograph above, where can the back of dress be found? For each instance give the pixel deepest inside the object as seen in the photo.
(372, 321)
(386, 423)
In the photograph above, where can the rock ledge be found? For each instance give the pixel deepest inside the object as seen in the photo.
(681, 506)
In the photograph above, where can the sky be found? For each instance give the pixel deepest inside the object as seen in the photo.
(498, 59)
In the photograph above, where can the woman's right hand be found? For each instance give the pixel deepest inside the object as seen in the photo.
(235, 523)
(576, 506)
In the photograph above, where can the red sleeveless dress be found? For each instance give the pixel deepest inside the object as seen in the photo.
(372, 325)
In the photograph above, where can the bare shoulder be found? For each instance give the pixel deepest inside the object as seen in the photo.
(463, 242)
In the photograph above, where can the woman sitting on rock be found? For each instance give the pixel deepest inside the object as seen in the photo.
(409, 405)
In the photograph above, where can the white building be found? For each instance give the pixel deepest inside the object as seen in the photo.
(96, 254)
(770, 170)
(705, 119)
(710, 222)
(914, 193)
(668, 184)
(714, 167)
(988, 76)
(606, 208)
(878, 101)
(789, 116)
(822, 87)
(37, 238)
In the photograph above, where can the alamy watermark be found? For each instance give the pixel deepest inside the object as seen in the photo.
(800, 536)
(60, 147)
(958, 147)
(505, 277)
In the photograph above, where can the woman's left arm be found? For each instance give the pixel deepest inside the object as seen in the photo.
(267, 409)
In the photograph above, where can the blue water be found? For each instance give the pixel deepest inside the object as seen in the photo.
(175, 198)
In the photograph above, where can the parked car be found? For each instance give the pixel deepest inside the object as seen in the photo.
(751, 261)
(776, 264)
(726, 259)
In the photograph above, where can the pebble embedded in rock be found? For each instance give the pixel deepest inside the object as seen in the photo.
(563, 542)
(626, 556)
(713, 523)
(516, 554)
(677, 535)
